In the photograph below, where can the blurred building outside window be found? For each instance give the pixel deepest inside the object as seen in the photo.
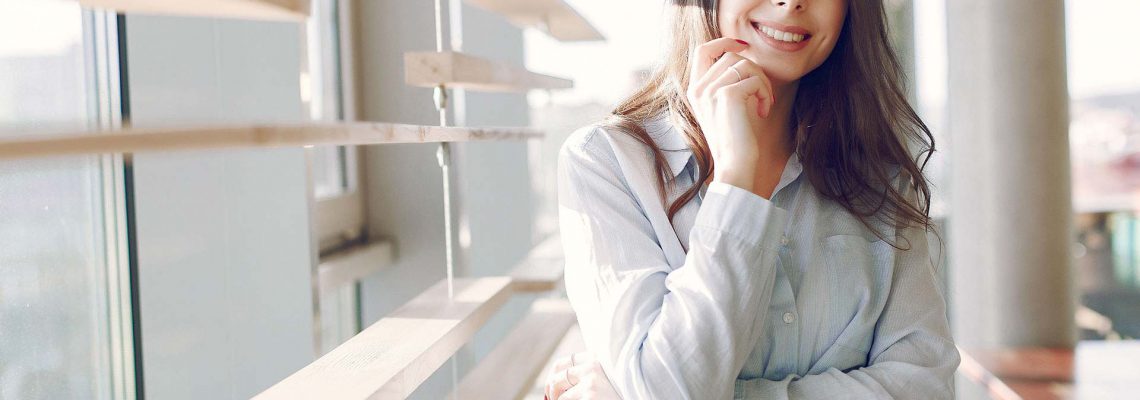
(1104, 135)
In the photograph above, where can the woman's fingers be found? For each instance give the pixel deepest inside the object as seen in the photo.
(756, 85)
(594, 385)
(584, 357)
(562, 364)
(746, 69)
(706, 54)
(561, 381)
(581, 391)
(738, 71)
(714, 72)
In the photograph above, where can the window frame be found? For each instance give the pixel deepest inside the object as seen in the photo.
(338, 222)
(341, 219)
(105, 75)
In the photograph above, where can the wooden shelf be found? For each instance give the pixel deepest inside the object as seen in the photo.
(277, 10)
(458, 70)
(554, 17)
(355, 263)
(542, 269)
(395, 355)
(247, 136)
(510, 369)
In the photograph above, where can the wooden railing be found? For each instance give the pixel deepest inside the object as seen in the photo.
(245, 137)
(392, 357)
(284, 10)
(459, 70)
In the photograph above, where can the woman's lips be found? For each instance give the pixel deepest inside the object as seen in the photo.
(782, 37)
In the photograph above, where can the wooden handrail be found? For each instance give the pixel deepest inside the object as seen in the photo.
(395, 355)
(391, 358)
(246, 136)
(354, 263)
(554, 17)
(281, 10)
(458, 70)
(510, 369)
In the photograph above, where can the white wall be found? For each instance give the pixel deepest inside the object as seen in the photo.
(223, 236)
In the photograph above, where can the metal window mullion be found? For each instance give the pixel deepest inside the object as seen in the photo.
(102, 40)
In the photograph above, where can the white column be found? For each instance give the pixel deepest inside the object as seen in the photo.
(1010, 206)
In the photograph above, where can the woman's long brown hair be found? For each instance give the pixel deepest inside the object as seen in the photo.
(853, 127)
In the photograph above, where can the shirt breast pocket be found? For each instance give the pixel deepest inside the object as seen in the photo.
(859, 277)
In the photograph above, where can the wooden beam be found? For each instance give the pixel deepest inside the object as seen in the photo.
(458, 70)
(247, 136)
(352, 264)
(542, 269)
(511, 368)
(395, 355)
(554, 17)
(275, 10)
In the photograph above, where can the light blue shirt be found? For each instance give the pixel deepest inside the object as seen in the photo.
(742, 297)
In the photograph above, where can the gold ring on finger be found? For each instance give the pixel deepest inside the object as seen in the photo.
(567, 372)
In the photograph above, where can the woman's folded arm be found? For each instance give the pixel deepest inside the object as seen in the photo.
(661, 332)
(912, 355)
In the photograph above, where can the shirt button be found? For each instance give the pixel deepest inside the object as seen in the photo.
(784, 240)
(789, 318)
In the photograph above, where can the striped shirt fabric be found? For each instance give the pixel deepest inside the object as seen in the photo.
(739, 296)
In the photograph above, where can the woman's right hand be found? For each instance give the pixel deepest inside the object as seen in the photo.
(729, 94)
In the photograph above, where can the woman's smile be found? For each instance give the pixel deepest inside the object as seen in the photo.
(782, 37)
(790, 38)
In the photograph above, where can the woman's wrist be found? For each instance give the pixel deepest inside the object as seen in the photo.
(735, 177)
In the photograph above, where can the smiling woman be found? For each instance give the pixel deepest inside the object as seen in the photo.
(752, 222)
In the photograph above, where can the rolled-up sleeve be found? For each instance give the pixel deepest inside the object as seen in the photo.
(662, 332)
(912, 355)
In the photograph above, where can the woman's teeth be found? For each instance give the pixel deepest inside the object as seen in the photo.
(781, 35)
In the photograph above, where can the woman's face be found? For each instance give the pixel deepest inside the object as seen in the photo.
(787, 39)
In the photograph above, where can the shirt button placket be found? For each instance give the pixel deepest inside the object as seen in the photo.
(789, 318)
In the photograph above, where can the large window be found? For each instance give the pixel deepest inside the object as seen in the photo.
(339, 204)
(64, 296)
(1105, 137)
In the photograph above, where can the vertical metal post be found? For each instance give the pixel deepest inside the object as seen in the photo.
(443, 155)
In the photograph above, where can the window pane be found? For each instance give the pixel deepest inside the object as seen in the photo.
(53, 300)
(339, 313)
(330, 174)
(1104, 133)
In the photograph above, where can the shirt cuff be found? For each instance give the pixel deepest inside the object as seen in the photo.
(742, 214)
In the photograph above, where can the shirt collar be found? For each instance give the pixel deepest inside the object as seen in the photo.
(672, 142)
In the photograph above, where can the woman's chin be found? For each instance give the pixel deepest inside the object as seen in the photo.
(781, 76)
